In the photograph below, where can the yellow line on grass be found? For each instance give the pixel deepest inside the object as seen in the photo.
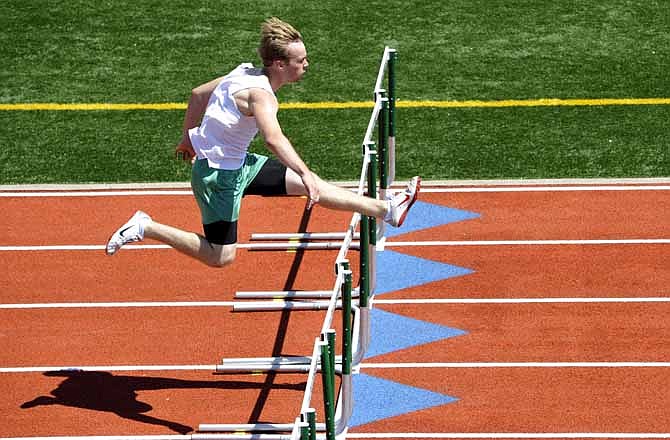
(92, 106)
(330, 105)
(552, 102)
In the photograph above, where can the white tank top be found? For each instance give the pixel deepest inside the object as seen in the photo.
(224, 135)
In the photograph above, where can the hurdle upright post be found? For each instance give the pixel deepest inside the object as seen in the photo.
(346, 323)
(330, 336)
(391, 66)
(372, 192)
(304, 430)
(327, 375)
(363, 262)
(383, 159)
(393, 57)
(372, 188)
(383, 153)
(310, 417)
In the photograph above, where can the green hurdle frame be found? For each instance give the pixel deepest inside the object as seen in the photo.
(378, 165)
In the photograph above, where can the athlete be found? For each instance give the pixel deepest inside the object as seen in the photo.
(222, 118)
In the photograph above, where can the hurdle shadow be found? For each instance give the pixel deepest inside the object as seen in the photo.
(284, 319)
(105, 392)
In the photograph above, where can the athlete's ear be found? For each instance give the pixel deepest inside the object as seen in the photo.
(279, 63)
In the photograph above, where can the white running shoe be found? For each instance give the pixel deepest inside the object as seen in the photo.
(402, 202)
(132, 230)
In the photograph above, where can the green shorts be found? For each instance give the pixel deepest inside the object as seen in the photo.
(219, 192)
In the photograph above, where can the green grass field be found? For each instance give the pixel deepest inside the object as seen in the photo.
(156, 51)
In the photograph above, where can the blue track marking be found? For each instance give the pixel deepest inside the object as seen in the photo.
(392, 332)
(396, 271)
(376, 399)
(426, 215)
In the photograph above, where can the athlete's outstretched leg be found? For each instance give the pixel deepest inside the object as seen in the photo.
(393, 210)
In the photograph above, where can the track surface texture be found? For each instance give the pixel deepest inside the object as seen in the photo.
(502, 311)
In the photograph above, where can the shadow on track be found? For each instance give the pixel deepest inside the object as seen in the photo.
(280, 339)
(103, 391)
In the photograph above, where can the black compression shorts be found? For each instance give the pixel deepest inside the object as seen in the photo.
(270, 181)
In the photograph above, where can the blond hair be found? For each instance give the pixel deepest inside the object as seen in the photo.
(275, 38)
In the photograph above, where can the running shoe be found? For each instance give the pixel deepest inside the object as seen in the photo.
(403, 201)
(132, 230)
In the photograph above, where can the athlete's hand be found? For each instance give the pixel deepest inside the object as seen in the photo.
(312, 189)
(184, 152)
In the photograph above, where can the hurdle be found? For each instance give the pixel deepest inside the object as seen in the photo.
(323, 361)
(384, 117)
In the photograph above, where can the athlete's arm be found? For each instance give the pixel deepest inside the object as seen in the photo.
(197, 104)
(263, 106)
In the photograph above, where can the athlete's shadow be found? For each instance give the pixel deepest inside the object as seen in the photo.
(103, 391)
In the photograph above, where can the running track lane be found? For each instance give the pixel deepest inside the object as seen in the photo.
(490, 400)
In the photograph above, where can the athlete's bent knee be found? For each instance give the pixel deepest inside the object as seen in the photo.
(221, 262)
(224, 257)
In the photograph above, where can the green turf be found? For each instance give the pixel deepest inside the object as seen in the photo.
(155, 51)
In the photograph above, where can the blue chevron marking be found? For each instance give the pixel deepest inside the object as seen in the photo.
(396, 271)
(392, 332)
(376, 399)
(427, 215)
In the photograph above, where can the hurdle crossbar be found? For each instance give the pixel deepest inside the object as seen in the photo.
(267, 364)
(302, 236)
(309, 245)
(288, 294)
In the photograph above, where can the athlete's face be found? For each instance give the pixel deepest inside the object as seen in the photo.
(296, 63)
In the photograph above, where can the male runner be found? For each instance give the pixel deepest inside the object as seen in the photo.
(222, 118)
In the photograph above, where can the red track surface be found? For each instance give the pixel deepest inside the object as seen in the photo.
(512, 399)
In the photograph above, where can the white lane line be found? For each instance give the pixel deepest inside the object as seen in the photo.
(364, 365)
(90, 305)
(394, 435)
(530, 242)
(548, 189)
(632, 241)
(111, 368)
(474, 365)
(77, 247)
(514, 186)
(562, 300)
(507, 435)
(102, 193)
(108, 437)
(140, 304)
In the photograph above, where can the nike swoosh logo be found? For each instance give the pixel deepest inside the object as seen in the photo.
(124, 230)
